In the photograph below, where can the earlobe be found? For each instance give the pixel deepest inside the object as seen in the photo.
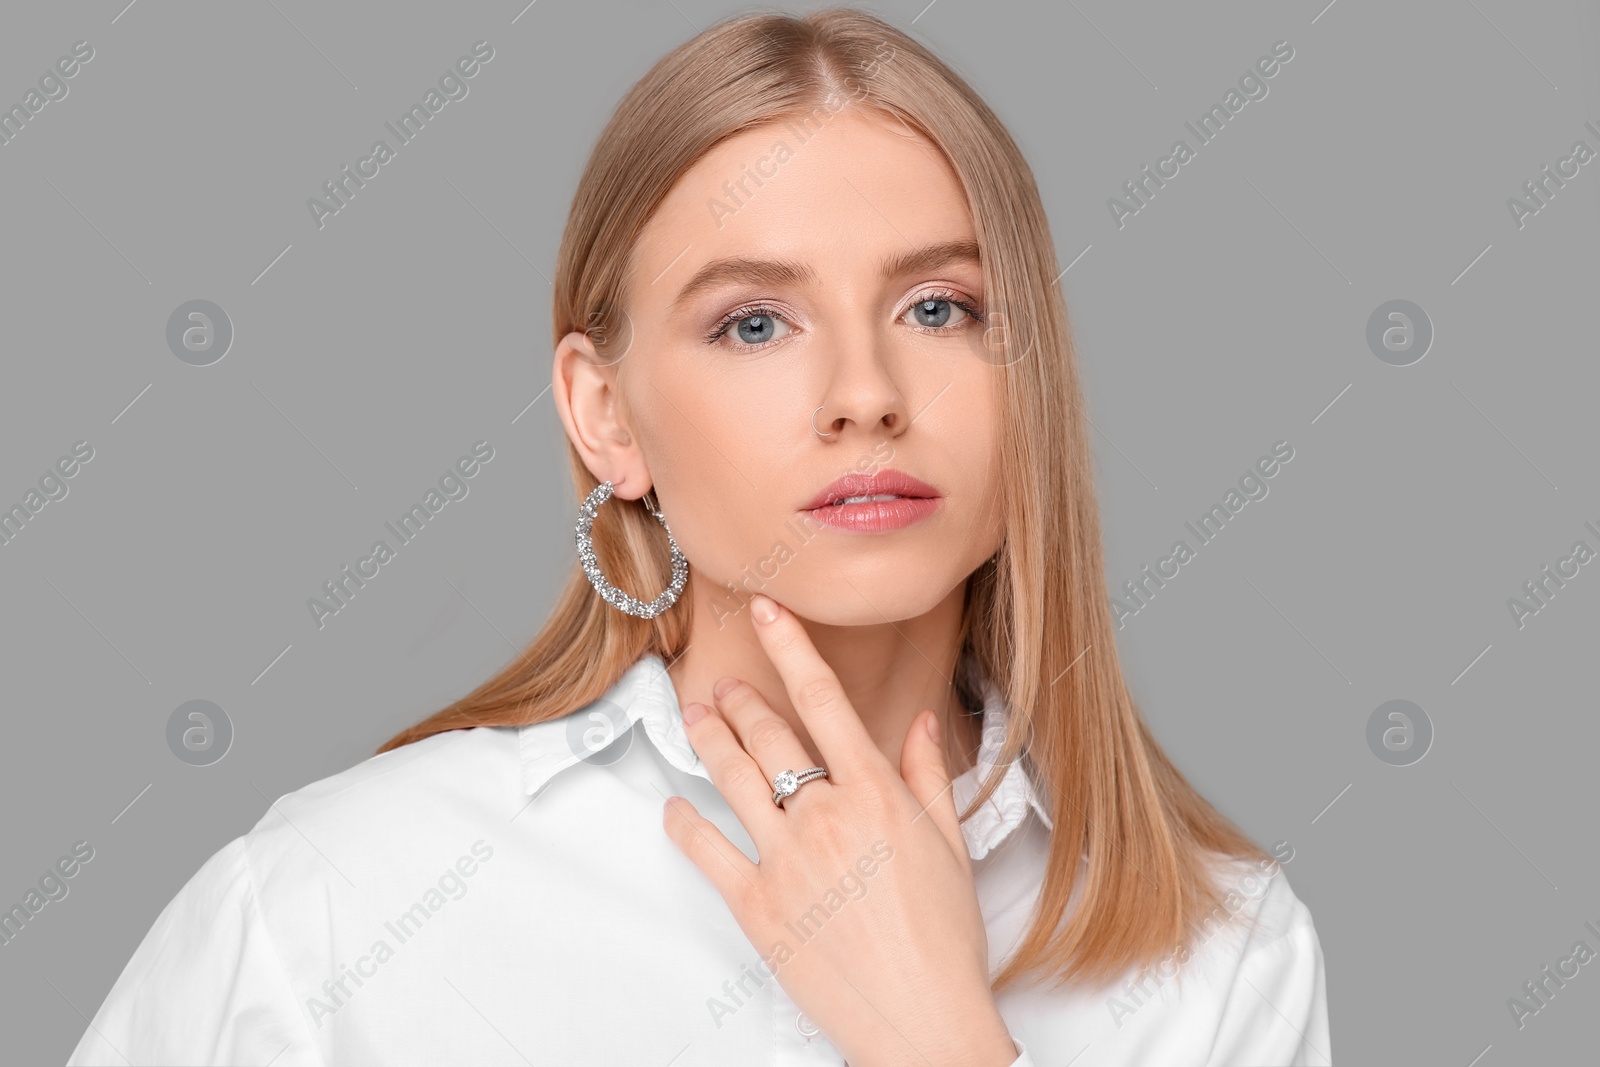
(586, 394)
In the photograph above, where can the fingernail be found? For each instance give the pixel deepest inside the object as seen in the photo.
(693, 713)
(763, 608)
(722, 687)
(933, 728)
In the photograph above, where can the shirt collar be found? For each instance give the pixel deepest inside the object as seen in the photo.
(644, 693)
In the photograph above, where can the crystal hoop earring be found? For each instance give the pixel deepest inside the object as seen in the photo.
(591, 566)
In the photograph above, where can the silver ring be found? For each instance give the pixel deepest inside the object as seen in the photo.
(814, 429)
(785, 783)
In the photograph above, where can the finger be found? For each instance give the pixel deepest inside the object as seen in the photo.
(736, 776)
(926, 774)
(818, 698)
(765, 735)
(708, 848)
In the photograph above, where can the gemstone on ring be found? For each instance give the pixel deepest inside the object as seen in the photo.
(784, 783)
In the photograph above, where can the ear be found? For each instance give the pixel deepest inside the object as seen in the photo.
(588, 400)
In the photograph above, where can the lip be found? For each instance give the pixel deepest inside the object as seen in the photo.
(917, 500)
(875, 516)
(887, 480)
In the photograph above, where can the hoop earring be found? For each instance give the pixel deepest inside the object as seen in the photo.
(591, 566)
(814, 429)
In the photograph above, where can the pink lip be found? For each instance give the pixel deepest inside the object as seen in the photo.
(876, 516)
(917, 501)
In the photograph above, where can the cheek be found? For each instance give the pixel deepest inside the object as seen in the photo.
(979, 452)
(971, 428)
(715, 473)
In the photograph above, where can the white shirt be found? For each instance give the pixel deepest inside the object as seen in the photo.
(507, 895)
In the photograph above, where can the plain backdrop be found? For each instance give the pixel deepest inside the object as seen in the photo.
(1229, 313)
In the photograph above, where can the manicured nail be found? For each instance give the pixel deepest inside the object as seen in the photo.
(763, 608)
(721, 688)
(693, 713)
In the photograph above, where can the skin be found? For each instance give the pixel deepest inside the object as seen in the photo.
(858, 660)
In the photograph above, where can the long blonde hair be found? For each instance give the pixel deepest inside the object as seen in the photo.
(1035, 608)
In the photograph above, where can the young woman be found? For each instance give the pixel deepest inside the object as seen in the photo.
(824, 754)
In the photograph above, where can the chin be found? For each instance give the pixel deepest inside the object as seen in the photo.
(846, 597)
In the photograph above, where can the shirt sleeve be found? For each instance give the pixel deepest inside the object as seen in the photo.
(1276, 1011)
(205, 986)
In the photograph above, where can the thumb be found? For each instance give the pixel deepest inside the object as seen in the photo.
(923, 767)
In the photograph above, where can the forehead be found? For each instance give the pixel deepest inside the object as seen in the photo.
(856, 186)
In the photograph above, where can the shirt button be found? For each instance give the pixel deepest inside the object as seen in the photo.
(806, 1027)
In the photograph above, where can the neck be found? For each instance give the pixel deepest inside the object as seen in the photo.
(889, 671)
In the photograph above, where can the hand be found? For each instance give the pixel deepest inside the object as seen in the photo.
(862, 903)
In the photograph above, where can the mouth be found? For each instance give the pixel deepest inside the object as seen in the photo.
(856, 488)
(863, 499)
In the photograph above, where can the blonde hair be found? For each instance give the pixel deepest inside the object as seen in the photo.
(1038, 619)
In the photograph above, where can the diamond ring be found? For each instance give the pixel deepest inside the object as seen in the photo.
(786, 783)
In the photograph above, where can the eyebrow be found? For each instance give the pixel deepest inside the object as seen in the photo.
(777, 272)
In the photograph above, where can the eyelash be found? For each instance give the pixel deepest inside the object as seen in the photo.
(749, 310)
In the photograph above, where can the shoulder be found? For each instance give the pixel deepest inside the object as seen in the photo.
(1258, 909)
(1265, 966)
(384, 809)
(436, 762)
(340, 838)
(267, 916)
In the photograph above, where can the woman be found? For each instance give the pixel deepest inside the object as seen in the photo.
(839, 564)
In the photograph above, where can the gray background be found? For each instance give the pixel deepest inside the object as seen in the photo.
(1228, 314)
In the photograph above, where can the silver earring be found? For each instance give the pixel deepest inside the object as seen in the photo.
(591, 566)
(814, 429)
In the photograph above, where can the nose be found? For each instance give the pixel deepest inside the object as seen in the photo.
(861, 392)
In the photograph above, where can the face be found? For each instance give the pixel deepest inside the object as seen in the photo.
(836, 288)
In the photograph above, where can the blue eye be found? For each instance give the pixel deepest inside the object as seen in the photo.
(752, 326)
(754, 329)
(756, 325)
(932, 312)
